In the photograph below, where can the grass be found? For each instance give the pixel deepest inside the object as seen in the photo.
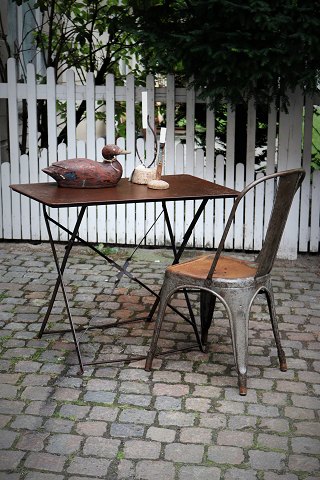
(120, 455)
(4, 338)
(107, 250)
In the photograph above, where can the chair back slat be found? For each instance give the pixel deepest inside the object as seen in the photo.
(287, 186)
(288, 183)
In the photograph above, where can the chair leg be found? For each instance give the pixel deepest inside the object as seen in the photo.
(164, 298)
(274, 323)
(207, 305)
(239, 323)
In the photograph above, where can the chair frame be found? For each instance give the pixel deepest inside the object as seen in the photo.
(236, 294)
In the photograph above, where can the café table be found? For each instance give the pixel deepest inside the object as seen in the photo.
(181, 187)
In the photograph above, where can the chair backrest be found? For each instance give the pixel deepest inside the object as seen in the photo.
(288, 183)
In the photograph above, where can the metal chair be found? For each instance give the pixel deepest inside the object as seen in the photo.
(235, 282)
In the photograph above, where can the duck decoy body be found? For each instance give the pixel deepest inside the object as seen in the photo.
(86, 173)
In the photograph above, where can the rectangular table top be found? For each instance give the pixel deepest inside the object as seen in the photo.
(181, 187)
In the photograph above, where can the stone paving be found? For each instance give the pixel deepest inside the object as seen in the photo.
(182, 421)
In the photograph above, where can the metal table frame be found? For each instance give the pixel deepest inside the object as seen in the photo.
(182, 187)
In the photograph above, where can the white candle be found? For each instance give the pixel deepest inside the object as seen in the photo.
(144, 97)
(163, 135)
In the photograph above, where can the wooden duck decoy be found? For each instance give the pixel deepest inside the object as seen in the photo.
(86, 173)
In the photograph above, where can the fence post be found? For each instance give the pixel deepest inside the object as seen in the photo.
(290, 157)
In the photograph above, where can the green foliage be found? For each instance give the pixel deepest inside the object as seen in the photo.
(2, 296)
(315, 161)
(106, 250)
(86, 35)
(120, 455)
(83, 35)
(233, 50)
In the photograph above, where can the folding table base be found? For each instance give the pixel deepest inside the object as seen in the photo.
(122, 271)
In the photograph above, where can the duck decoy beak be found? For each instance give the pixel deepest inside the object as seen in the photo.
(123, 152)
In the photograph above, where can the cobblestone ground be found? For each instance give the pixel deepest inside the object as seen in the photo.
(182, 421)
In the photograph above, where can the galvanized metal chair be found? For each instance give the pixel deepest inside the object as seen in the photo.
(235, 282)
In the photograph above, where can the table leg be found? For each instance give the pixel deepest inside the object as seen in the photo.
(179, 252)
(59, 282)
(192, 320)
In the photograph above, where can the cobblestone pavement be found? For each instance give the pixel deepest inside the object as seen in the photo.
(182, 421)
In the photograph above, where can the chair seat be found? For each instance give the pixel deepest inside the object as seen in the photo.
(227, 268)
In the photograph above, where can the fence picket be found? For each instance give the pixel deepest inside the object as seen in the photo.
(91, 149)
(209, 175)
(179, 206)
(249, 174)
(170, 151)
(199, 172)
(290, 157)
(150, 207)
(305, 187)
(258, 218)
(81, 153)
(63, 212)
(229, 166)
(121, 212)
(271, 162)
(190, 155)
(52, 135)
(14, 205)
(25, 206)
(128, 161)
(33, 176)
(101, 209)
(71, 132)
(239, 219)
(110, 138)
(219, 211)
(71, 114)
(315, 213)
(43, 177)
(6, 201)
(140, 207)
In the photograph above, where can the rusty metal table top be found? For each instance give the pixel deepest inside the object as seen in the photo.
(182, 187)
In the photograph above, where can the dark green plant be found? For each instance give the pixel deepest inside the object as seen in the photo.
(315, 154)
(232, 50)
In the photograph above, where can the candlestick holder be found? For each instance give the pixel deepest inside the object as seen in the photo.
(158, 183)
(143, 173)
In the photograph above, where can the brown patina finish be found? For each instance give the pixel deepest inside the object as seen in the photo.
(227, 268)
(85, 173)
(181, 187)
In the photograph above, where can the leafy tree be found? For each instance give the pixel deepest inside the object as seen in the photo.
(86, 35)
(233, 50)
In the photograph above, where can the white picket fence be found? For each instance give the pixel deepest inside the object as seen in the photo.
(288, 146)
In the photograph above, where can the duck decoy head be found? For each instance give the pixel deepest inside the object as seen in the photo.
(110, 151)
